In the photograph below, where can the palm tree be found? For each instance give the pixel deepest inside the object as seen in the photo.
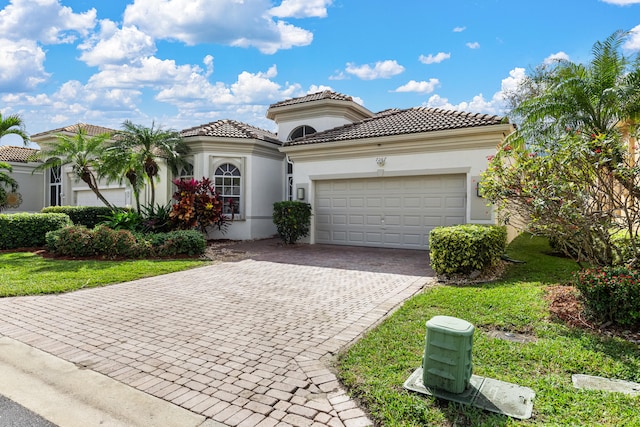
(81, 152)
(601, 97)
(120, 163)
(147, 146)
(6, 181)
(13, 125)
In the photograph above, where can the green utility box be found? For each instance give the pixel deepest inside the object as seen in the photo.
(446, 364)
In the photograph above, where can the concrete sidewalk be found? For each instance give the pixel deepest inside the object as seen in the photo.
(246, 343)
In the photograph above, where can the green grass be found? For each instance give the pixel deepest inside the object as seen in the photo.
(375, 368)
(24, 273)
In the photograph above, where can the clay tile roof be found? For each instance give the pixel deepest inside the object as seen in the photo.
(398, 122)
(231, 129)
(327, 94)
(10, 153)
(92, 130)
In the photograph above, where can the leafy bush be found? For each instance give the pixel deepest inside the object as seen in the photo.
(611, 294)
(79, 242)
(181, 242)
(123, 219)
(465, 248)
(73, 241)
(198, 206)
(157, 219)
(292, 219)
(89, 216)
(113, 244)
(23, 230)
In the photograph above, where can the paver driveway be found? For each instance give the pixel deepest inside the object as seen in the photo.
(244, 343)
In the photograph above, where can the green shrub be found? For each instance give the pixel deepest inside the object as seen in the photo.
(74, 241)
(123, 219)
(113, 244)
(465, 248)
(181, 242)
(78, 242)
(24, 230)
(89, 216)
(157, 219)
(611, 294)
(292, 219)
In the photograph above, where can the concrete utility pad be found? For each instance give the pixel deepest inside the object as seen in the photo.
(484, 393)
(590, 382)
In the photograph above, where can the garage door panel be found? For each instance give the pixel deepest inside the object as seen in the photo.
(388, 212)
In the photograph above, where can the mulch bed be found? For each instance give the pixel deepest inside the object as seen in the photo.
(565, 305)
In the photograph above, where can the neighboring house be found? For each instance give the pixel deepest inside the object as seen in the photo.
(373, 179)
(65, 189)
(386, 179)
(30, 196)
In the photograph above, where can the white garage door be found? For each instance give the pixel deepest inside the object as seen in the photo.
(396, 212)
(116, 196)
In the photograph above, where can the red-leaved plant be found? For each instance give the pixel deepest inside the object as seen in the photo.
(198, 205)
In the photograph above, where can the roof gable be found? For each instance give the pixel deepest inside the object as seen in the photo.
(91, 130)
(10, 153)
(401, 122)
(327, 94)
(230, 129)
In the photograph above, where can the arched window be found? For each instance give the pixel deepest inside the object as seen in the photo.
(55, 186)
(301, 131)
(228, 183)
(185, 172)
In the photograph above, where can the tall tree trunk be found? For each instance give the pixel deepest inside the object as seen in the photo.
(90, 180)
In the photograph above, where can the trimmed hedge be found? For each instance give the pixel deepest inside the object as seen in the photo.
(611, 294)
(89, 216)
(292, 219)
(26, 230)
(461, 249)
(102, 241)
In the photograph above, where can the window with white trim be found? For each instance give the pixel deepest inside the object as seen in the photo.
(55, 186)
(301, 131)
(228, 183)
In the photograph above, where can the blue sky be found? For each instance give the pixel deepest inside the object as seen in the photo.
(182, 63)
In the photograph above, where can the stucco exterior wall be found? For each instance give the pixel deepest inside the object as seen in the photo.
(309, 169)
(262, 185)
(31, 188)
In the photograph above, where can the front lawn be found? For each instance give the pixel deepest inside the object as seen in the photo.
(25, 273)
(375, 368)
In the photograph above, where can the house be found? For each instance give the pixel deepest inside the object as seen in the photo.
(30, 196)
(373, 179)
(386, 179)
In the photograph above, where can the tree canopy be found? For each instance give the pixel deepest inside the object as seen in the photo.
(570, 170)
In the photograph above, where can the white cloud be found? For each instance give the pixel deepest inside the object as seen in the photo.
(419, 87)
(459, 29)
(113, 45)
(21, 65)
(622, 2)
(301, 9)
(231, 22)
(381, 70)
(633, 42)
(149, 71)
(434, 59)
(473, 45)
(46, 21)
(478, 104)
(555, 57)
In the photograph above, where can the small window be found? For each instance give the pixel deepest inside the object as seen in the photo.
(301, 131)
(185, 172)
(228, 183)
(55, 186)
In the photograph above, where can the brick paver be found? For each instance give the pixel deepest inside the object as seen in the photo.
(244, 343)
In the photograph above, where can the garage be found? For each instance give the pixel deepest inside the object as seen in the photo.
(115, 196)
(391, 212)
